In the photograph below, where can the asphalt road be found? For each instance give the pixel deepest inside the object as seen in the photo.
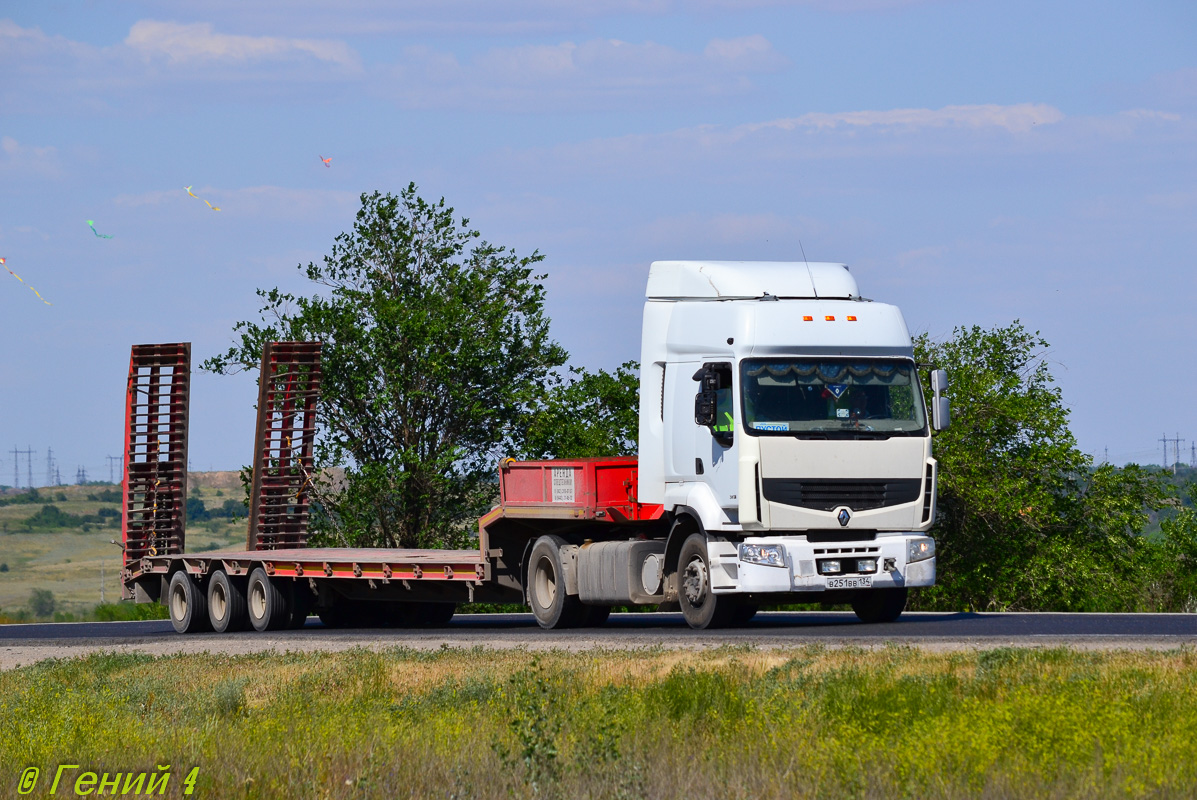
(640, 629)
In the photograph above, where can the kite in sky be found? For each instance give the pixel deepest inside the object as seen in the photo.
(91, 224)
(327, 161)
(188, 188)
(18, 277)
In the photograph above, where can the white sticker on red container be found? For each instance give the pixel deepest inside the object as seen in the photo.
(563, 485)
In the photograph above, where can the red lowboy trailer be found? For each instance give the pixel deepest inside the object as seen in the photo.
(549, 514)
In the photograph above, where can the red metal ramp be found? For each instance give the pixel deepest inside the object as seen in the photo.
(288, 388)
(154, 516)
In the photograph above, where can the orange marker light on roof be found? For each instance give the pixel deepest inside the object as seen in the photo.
(852, 319)
(829, 318)
(807, 318)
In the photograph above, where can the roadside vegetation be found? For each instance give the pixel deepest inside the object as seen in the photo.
(728, 723)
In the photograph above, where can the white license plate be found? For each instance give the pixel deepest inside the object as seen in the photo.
(849, 583)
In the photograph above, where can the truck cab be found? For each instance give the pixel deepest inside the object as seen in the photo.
(784, 431)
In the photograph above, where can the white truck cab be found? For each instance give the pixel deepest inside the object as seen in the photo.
(783, 428)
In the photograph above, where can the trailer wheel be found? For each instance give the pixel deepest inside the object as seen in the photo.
(551, 605)
(186, 603)
(267, 604)
(879, 605)
(701, 607)
(226, 603)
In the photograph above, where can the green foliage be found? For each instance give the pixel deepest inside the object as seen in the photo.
(42, 603)
(803, 723)
(32, 496)
(197, 511)
(51, 516)
(1025, 520)
(435, 345)
(536, 729)
(589, 414)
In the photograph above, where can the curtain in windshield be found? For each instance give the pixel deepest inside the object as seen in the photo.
(782, 395)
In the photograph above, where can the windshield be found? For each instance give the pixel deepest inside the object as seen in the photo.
(787, 396)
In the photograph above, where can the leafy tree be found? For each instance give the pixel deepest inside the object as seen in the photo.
(590, 414)
(42, 602)
(1026, 522)
(435, 346)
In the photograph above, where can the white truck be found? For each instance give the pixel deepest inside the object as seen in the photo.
(784, 457)
(805, 472)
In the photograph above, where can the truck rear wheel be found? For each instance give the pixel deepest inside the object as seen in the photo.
(266, 603)
(186, 604)
(551, 605)
(701, 607)
(880, 605)
(226, 603)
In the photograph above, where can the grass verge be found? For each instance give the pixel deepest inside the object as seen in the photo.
(727, 723)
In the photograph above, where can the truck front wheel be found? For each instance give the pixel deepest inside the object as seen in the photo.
(701, 607)
(552, 606)
(880, 605)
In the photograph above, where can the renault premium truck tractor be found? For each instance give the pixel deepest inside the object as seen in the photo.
(784, 457)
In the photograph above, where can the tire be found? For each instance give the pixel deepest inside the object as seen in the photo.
(186, 604)
(701, 607)
(551, 606)
(226, 603)
(300, 605)
(266, 603)
(880, 605)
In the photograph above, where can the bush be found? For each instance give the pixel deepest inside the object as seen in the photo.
(42, 603)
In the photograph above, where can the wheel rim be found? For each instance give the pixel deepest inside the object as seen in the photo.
(257, 600)
(178, 602)
(545, 583)
(220, 602)
(694, 582)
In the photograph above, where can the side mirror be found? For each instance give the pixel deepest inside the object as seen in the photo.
(941, 412)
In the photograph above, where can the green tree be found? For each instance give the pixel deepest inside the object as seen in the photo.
(1025, 521)
(42, 602)
(435, 346)
(589, 414)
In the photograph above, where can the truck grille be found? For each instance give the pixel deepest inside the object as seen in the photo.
(825, 494)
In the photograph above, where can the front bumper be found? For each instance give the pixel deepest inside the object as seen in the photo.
(730, 574)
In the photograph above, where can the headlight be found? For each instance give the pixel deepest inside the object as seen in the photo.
(919, 550)
(866, 565)
(771, 555)
(829, 566)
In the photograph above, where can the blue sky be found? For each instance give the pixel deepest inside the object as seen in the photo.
(974, 162)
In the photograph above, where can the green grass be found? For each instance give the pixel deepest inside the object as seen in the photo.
(728, 723)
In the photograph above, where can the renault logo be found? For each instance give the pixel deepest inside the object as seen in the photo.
(843, 517)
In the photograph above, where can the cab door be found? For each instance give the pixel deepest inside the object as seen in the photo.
(716, 444)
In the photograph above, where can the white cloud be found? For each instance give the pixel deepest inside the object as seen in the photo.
(591, 74)
(17, 157)
(183, 43)
(1014, 118)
